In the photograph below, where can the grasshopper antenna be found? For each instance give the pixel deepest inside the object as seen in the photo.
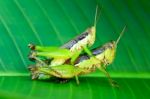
(95, 19)
(120, 35)
(97, 16)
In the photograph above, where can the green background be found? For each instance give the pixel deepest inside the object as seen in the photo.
(54, 22)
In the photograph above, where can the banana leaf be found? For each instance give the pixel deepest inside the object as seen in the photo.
(53, 23)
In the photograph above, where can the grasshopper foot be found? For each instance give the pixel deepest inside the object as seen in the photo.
(114, 83)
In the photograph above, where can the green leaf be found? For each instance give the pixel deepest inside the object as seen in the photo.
(53, 23)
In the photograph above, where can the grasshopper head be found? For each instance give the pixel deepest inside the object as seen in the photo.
(110, 49)
(109, 53)
(106, 53)
(91, 34)
(93, 30)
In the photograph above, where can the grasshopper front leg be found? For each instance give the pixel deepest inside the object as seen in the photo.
(85, 48)
(112, 82)
(87, 51)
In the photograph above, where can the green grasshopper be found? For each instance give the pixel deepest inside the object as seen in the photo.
(75, 47)
(84, 64)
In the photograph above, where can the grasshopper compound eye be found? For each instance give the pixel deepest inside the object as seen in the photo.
(112, 44)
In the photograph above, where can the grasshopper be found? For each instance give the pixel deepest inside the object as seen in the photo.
(75, 46)
(84, 64)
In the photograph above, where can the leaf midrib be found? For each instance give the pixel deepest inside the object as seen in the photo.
(142, 75)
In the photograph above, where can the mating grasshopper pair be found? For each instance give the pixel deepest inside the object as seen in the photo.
(68, 62)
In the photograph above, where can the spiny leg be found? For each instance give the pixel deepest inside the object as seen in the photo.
(112, 82)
